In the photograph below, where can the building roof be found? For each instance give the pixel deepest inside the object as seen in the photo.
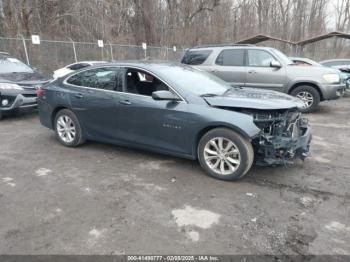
(261, 38)
(323, 36)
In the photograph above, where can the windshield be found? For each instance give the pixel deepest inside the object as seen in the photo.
(195, 80)
(282, 56)
(13, 65)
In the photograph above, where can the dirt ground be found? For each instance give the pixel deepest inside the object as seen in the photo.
(103, 199)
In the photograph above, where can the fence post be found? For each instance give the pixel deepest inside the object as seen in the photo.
(110, 46)
(25, 49)
(75, 52)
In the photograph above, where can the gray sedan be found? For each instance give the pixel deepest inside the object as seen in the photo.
(177, 110)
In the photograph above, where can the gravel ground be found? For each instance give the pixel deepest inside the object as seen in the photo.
(103, 199)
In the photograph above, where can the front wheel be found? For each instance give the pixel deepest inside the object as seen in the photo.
(224, 154)
(309, 95)
(68, 129)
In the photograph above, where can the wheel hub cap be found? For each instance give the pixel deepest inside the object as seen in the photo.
(306, 97)
(66, 128)
(222, 156)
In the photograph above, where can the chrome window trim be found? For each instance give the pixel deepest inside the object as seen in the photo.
(183, 100)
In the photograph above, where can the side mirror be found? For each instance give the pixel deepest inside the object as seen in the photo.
(275, 64)
(164, 95)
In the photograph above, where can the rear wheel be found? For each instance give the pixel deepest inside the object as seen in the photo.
(224, 154)
(68, 129)
(309, 95)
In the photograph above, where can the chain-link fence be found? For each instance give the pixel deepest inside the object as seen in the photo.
(50, 55)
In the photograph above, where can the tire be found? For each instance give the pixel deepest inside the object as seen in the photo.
(306, 93)
(66, 118)
(241, 161)
(0, 115)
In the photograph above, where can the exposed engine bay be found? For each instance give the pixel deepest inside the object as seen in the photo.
(284, 136)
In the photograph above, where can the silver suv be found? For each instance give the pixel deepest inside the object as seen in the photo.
(267, 68)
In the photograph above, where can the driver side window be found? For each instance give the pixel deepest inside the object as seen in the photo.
(141, 83)
(259, 58)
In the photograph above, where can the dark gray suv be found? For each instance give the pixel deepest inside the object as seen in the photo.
(267, 68)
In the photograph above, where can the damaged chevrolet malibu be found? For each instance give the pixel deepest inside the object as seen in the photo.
(176, 110)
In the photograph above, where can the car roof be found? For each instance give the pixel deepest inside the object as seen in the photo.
(89, 62)
(228, 46)
(336, 60)
(153, 63)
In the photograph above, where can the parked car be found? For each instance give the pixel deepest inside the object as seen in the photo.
(177, 110)
(341, 64)
(73, 67)
(303, 61)
(18, 84)
(267, 68)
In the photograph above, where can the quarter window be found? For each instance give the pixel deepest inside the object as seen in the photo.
(259, 58)
(231, 57)
(108, 78)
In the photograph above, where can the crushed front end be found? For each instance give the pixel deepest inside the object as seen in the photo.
(285, 135)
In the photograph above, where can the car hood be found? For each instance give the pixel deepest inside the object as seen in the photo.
(303, 71)
(25, 79)
(253, 98)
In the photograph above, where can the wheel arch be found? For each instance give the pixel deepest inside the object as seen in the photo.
(206, 129)
(306, 83)
(54, 113)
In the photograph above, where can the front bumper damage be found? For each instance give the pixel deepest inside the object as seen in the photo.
(285, 147)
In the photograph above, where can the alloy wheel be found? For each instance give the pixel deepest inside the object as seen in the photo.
(66, 128)
(222, 155)
(306, 97)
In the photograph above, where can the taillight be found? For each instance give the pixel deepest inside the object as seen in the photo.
(40, 92)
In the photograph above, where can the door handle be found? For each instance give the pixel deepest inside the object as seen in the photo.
(252, 72)
(125, 102)
(214, 71)
(79, 95)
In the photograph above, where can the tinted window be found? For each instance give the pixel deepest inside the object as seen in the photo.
(195, 57)
(231, 57)
(12, 65)
(259, 58)
(78, 66)
(109, 78)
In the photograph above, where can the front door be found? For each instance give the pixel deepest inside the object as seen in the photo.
(147, 122)
(260, 74)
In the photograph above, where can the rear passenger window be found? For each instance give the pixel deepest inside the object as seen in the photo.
(231, 57)
(109, 78)
(195, 57)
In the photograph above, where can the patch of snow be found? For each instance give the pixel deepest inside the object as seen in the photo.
(190, 216)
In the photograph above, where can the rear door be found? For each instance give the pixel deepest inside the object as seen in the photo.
(229, 66)
(94, 99)
(259, 72)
